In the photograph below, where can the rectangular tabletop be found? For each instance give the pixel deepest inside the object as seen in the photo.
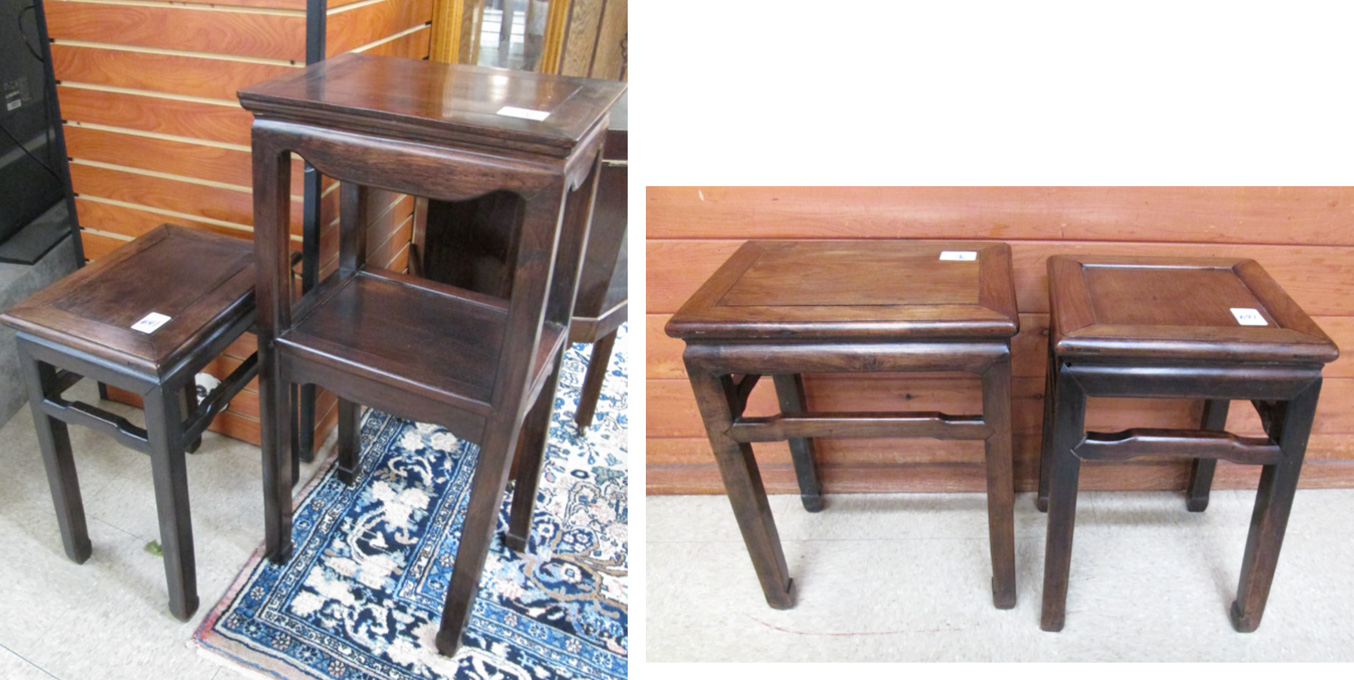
(434, 102)
(855, 290)
(197, 280)
(1195, 309)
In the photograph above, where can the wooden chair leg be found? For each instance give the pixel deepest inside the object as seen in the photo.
(592, 381)
(1046, 435)
(54, 440)
(532, 445)
(164, 430)
(1273, 501)
(743, 484)
(1065, 468)
(1000, 482)
(1201, 470)
(275, 424)
(790, 392)
(477, 532)
(348, 441)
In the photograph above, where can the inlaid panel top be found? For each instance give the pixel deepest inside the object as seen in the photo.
(1198, 309)
(149, 302)
(448, 103)
(869, 290)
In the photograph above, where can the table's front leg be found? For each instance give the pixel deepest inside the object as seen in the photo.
(273, 290)
(743, 483)
(1000, 481)
(1064, 470)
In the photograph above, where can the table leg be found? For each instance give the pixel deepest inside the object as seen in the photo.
(1201, 471)
(348, 441)
(1064, 471)
(189, 409)
(1046, 434)
(790, 392)
(164, 432)
(477, 530)
(532, 443)
(305, 423)
(1000, 481)
(1273, 501)
(592, 380)
(275, 425)
(55, 442)
(743, 483)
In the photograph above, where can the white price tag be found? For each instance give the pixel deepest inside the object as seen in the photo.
(150, 322)
(529, 114)
(1248, 317)
(959, 255)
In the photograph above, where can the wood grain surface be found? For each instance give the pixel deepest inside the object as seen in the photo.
(215, 122)
(185, 74)
(1302, 236)
(348, 30)
(197, 29)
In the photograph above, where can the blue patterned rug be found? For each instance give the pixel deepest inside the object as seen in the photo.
(363, 593)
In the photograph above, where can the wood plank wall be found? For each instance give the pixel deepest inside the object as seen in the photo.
(1304, 237)
(594, 40)
(155, 133)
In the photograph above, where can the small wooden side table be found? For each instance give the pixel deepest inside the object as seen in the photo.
(1208, 328)
(785, 308)
(145, 319)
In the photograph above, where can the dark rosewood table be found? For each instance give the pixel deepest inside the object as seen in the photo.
(145, 319)
(482, 366)
(785, 308)
(1214, 329)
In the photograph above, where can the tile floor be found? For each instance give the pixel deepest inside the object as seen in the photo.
(109, 617)
(906, 578)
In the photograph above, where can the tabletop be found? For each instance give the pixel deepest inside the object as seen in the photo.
(1191, 309)
(149, 302)
(855, 290)
(434, 102)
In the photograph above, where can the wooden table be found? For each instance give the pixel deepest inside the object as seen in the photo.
(146, 318)
(483, 367)
(785, 308)
(1208, 328)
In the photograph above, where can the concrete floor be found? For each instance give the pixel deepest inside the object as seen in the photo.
(907, 578)
(109, 617)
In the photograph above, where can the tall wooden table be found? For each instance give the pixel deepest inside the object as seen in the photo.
(484, 367)
(785, 308)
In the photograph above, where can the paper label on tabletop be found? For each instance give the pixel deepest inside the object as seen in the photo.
(959, 255)
(1248, 317)
(150, 322)
(529, 114)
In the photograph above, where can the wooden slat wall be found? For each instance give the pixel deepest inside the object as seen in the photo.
(1304, 237)
(155, 133)
(594, 40)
